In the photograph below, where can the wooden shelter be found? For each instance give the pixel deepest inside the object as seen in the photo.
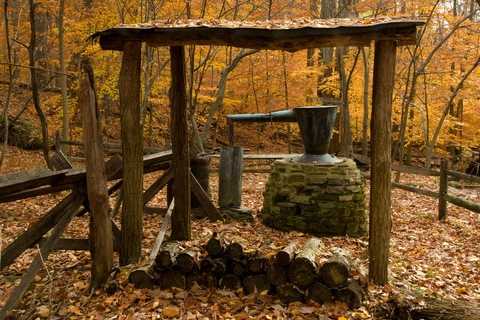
(386, 33)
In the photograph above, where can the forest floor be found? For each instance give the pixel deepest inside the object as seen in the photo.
(427, 258)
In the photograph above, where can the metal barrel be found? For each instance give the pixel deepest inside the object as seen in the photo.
(276, 116)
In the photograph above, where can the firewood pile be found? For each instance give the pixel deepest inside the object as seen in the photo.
(293, 273)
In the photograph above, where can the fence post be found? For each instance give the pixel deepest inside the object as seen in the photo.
(442, 199)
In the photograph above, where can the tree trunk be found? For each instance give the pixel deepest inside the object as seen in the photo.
(181, 219)
(101, 237)
(63, 76)
(132, 149)
(380, 190)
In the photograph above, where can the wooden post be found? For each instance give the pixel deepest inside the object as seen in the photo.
(132, 150)
(442, 199)
(181, 228)
(230, 177)
(381, 145)
(231, 132)
(101, 236)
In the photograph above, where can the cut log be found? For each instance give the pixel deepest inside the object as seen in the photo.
(142, 278)
(277, 275)
(431, 309)
(208, 280)
(231, 282)
(167, 255)
(185, 262)
(289, 293)
(319, 293)
(234, 251)
(352, 294)
(257, 264)
(172, 279)
(215, 246)
(256, 282)
(237, 267)
(287, 254)
(216, 266)
(303, 270)
(335, 272)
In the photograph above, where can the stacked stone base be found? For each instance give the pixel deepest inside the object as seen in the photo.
(320, 200)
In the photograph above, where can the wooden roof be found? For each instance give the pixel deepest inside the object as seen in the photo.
(288, 35)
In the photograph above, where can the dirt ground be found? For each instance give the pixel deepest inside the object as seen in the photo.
(427, 258)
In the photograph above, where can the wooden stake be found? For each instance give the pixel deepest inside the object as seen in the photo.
(381, 145)
(181, 227)
(442, 199)
(101, 237)
(132, 150)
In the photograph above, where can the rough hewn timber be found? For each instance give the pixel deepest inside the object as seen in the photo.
(181, 225)
(381, 146)
(100, 234)
(132, 151)
(302, 272)
(287, 254)
(335, 272)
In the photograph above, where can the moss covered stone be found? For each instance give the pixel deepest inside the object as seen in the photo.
(321, 200)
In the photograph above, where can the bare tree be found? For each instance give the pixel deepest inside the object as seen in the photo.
(63, 76)
(35, 81)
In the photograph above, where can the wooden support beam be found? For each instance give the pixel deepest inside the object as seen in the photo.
(205, 201)
(381, 145)
(100, 235)
(157, 186)
(45, 249)
(35, 232)
(181, 225)
(132, 151)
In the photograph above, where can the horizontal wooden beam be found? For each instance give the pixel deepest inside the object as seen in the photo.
(405, 33)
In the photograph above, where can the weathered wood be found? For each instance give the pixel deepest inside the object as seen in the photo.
(204, 200)
(443, 190)
(225, 177)
(351, 294)
(158, 185)
(302, 272)
(200, 167)
(100, 234)
(319, 293)
(167, 254)
(237, 267)
(257, 264)
(231, 132)
(381, 146)
(172, 279)
(464, 176)
(185, 262)
(417, 190)
(39, 259)
(277, 275)
(215, 246)
(234, 251)
(163, 231)
(287, 254)
(230, 177)
(132, 152)
(181, 219)
(289, 293)
(470, 205)
(432, 309)
(267, 36)
(144, 277)
(256, 283)
(335, 272)
(59, 161)
(231, 282)
(35, 192)
(36, 231)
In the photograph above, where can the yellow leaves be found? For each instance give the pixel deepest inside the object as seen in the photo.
(43, 312)
(171, 311)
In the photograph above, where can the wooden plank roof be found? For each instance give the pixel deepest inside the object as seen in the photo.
(290, 35)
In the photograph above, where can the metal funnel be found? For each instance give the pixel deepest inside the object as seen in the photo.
(316, 127)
